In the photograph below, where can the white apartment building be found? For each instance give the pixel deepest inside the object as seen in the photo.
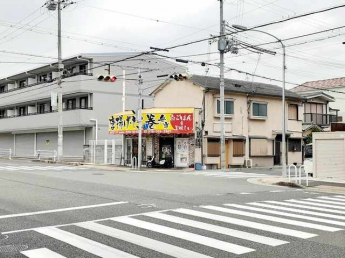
(29, 123)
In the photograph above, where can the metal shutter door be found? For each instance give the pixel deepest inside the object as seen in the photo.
(330, 158)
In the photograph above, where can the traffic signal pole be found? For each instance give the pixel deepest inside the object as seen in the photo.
(60, 65)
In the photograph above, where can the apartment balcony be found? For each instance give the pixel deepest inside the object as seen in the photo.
(320, 119)
(79, 117)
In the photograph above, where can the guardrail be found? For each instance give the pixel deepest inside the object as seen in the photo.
(46, 154)
(6, 153)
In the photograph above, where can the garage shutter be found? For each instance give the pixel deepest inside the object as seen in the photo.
(330, 158)
(25, 145)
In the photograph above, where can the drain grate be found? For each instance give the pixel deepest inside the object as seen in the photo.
(98, 174)
(13, 248)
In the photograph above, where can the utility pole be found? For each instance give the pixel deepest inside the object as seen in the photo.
(140, 121)
(51, 6)
(222, 45)
(123, 109)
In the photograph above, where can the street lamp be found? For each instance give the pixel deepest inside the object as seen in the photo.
(243, 28)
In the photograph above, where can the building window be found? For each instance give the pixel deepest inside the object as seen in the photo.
(2, 113)
(43, 78)
(260, 109)
(22, 111)
(22, 84)
(238, 148)
(2, 89)
(293, 112)
(295, 145)
(83, 69)
(261, 147)
(41, 108)
(213, 147)
(228, 107)
(71, 104)
(83, 103)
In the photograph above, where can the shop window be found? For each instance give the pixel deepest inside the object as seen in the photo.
(260, 109)
(261, 147)
(213, 147)
(238, 148)
(293, 112)
(228, 107)
(295, 145)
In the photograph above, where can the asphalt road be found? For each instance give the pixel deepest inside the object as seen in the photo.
(61, 211)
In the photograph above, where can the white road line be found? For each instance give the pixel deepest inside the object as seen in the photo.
(41, 253)
(60, 210)
(221, 230)
(286, 214)
(146, 242)
(85, 244)
(317, 204)
(248, 224)
(246, 193)
(277, 191)
(309, 207)
(327, 215)
(340, 196)
(274, 219)
(324, 201)
(332, 199)
(214, 243)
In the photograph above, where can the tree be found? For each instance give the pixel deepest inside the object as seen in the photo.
(309, 138)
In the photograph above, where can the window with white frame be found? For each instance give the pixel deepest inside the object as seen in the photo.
(259, 109)
(228, 107)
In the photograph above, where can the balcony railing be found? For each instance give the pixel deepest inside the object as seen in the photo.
(45, 112)
(46, 81)
(320, 119)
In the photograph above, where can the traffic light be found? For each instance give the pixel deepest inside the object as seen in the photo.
(106, 78)
(180, 77)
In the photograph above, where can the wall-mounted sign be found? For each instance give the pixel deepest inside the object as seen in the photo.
(156, 120)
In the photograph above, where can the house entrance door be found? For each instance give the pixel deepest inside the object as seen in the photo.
(277, 154)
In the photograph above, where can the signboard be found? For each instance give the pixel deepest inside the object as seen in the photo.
(53, 100)
(154, 121)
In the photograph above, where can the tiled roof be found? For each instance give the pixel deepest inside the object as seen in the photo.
(319, 85)
(244, 87)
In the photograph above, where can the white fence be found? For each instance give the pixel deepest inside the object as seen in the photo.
(105, 152)
(6, 153)
(46, 154)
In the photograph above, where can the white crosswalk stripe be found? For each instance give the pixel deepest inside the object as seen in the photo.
(221, 245)
(42, 168)
(272, 218)
(196, 225)
(231, 175)
(333, 199)
(325, 201)
(340, 196)
(84, 243)
(41, 253)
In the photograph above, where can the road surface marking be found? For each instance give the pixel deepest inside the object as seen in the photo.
(286, 214)
(324, 201)
(249, 224)
(246, 193)
(340, 196)
(332, 199)
(152, 244)
(305, 207)
(214, 243)
(85, 244)
(221, 230)
(60, 210)
(272, 218)
(277, 191)
(41, 253)
(317, 204)
(299, 211)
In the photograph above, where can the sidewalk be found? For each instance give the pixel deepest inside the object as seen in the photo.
(315, 184)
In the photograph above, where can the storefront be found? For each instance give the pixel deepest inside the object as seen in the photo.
(167, 136)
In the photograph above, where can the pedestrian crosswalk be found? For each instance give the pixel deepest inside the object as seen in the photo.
(231, 175)
(40, 168)
(223, 230)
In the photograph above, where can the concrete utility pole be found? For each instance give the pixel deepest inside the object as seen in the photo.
(140, 121)
(52, 5)
(222, 47)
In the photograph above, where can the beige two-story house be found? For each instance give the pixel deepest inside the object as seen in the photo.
(253, 119)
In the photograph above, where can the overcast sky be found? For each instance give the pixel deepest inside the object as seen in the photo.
(135, 25)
